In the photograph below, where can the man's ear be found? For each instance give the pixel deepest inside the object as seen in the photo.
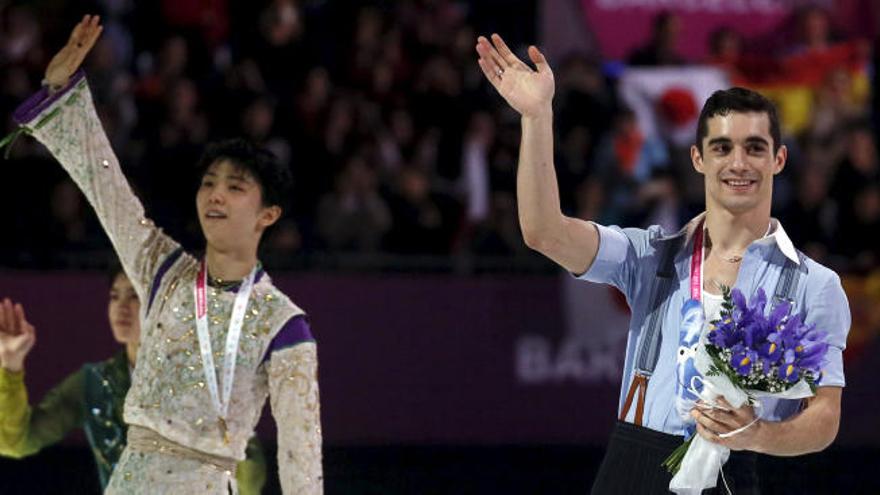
(697, 159)
(268, 216)
(780, 160)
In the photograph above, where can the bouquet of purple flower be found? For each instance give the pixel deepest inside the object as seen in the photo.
(745, 355)
(767, 354)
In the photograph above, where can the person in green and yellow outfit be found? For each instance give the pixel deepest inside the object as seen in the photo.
(91, 398)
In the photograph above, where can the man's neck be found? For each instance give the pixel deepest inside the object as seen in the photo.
(731, 233)
(230, 265)
(131, 350)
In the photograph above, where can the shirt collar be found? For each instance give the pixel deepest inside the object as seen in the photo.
(783, 242)
(687, 231)
(777, 236)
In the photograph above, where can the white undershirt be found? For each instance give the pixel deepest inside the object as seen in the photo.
(712, 302)
(712, 305)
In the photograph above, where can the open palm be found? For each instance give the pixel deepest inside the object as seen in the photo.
(69, 58)
(529, 91)
(17, 336)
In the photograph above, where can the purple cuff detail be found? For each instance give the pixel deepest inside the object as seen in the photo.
(295, 331)
(41, 100)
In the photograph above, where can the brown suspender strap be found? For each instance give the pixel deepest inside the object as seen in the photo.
(651, 337)
(640, 384)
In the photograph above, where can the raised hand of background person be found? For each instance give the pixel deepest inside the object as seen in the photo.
(69, 58)
(529, 91)
(17, 336)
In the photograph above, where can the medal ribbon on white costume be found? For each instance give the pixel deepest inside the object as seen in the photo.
(221, 403)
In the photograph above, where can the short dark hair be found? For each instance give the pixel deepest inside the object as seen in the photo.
(273, 177)
(742, 100)
(113, 271)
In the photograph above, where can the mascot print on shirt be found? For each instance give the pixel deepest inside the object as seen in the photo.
(692, 322)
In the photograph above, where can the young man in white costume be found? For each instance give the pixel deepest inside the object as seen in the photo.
(218, 337)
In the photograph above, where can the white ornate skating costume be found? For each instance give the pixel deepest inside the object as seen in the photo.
(177, 443)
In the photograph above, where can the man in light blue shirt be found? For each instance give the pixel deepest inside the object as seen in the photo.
(738, 150)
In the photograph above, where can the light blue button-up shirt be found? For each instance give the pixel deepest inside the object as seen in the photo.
(628, 260)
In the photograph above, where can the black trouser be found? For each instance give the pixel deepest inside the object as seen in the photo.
(634, 458)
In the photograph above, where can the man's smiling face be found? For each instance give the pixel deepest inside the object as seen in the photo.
(738, 161)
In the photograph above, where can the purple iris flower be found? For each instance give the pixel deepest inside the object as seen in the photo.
(778, 341)
(757, 303)
(810, 354)
(791, 332)
(742, 360)
(739, 300)
(755, 333)
(725, 334)
(788, 370)
(771, 351)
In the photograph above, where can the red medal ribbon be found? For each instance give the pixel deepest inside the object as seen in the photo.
(697, 265)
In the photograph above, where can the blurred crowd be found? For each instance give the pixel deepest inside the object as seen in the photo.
(396, 144)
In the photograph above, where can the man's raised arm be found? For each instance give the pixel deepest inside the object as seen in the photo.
(63, 118)
(570, 242)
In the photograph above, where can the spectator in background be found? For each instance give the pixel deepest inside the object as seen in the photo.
(617, 159)
(354, 217)
(585, 112)
(418, 216)
(727, 52)
(855, 240)
(814, 30)
(624, 160)
(658, 202)
(259, 126)
(834, 110)
(662, 47)
(170, 65)
(854, 190)
(281, 42)
(474, 181)
(810, 219)
(437, 104)
(835, 104)
(859, 167)
(313, 100)
(114, 98)
(69, 228)
(725, 47)
(500, 234)
(367, 45)
(575, 161)
(396, 140)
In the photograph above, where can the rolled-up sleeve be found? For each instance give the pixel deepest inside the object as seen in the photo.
(829, 312)
(613, 249)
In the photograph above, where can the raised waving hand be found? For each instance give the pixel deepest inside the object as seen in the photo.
(17, 336)
(69, 58)
(529, 91)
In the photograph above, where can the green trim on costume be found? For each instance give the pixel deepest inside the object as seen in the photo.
(105, 386)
